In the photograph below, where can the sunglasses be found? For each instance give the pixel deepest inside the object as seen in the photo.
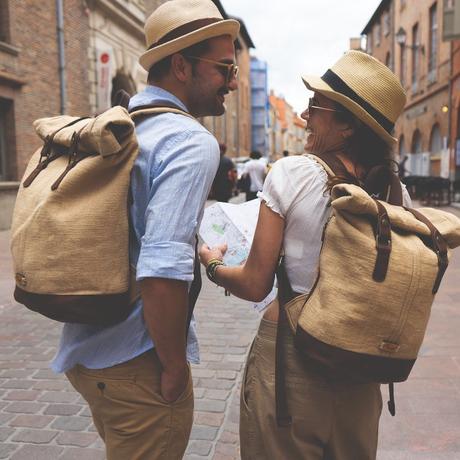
(229, 71)
(311, 105)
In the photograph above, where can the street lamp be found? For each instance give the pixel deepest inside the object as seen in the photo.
(401, 37)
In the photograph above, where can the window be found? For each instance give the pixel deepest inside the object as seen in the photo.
(7, 137)
(403, 4)
(4, 22)
(417, 142)
(369, 43)
(433, 44)
(377, 32)
(415, 57)
(386, 23)
(435, 141)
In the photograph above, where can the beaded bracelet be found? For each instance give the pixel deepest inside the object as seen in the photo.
(211, 269)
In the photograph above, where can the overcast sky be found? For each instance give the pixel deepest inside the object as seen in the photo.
(300, 37)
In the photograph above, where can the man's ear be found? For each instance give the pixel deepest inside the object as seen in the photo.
(180, 67)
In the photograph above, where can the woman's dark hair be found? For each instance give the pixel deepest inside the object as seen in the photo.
(365, 148)
(161, 68)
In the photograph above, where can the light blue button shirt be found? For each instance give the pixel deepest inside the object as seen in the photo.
(170, 181)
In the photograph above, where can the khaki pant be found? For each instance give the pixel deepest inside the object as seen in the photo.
(330, 421)
(131, 416)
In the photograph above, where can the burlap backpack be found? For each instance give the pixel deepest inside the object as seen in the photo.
(70, 229)
(366, 315)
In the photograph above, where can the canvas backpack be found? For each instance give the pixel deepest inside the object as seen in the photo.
(380, 266)
(70, 228)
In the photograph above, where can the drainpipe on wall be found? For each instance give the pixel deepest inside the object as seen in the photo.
(450, 144)
(61, 51)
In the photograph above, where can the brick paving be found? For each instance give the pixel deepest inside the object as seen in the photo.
(42, 417)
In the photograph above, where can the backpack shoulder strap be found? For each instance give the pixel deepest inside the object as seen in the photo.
(322, 163)
(381, 181)
(334, 167)
(148, 110)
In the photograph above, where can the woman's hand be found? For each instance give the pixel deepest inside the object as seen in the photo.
(206, 253)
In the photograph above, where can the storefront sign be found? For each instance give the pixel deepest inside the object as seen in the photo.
(104, 80)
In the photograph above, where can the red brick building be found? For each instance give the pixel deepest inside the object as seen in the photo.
(72, 59)
(380, 33)
(49, 65)
(455, 110)
(407, 36)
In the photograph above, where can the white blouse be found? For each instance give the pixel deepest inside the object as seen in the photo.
(295, 189)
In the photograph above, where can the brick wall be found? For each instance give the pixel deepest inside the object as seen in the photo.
(33, 33)
(425, 100)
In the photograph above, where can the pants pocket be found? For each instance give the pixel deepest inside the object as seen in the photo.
(247, 380)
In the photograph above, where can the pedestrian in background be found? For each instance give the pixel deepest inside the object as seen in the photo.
(135, 375)
(225, 180)
(331, 420)
(256, 170)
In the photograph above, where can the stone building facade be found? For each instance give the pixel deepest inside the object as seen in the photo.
(379, 32)
(455, 110)
(422, 61)
(286, 130)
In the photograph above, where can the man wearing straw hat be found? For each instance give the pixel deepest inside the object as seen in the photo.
(135, 375)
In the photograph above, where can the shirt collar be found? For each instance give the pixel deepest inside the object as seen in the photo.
(155, 95)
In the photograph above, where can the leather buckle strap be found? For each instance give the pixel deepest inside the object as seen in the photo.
(382, 243)
(45, 155)
(439, 247)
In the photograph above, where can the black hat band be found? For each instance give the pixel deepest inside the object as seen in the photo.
(338, 85)
(184, 30)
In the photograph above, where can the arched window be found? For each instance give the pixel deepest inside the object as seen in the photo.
(416, 146)
(435, 141)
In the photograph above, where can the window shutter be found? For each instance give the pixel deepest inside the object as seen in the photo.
(451, 22)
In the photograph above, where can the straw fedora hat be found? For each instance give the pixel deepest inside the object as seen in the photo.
(367, 88)
(178, 24)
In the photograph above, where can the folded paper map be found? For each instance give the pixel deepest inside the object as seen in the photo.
(235, 225)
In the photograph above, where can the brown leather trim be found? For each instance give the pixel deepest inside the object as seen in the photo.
(382, 243)
(348, 366)
(184, 30)
(439, 246)
(46, 156)
(381, 181)
(100, 310)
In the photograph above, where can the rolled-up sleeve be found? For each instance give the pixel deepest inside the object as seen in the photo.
(180, 184)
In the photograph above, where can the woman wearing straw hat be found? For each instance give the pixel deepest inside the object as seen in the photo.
(350, 117)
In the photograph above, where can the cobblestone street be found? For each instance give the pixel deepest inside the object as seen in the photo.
(42, 418)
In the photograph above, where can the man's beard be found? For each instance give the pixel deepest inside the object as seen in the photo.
(210, 105)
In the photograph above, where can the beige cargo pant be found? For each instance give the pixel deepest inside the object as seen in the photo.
(130, 414)
(330, 421)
